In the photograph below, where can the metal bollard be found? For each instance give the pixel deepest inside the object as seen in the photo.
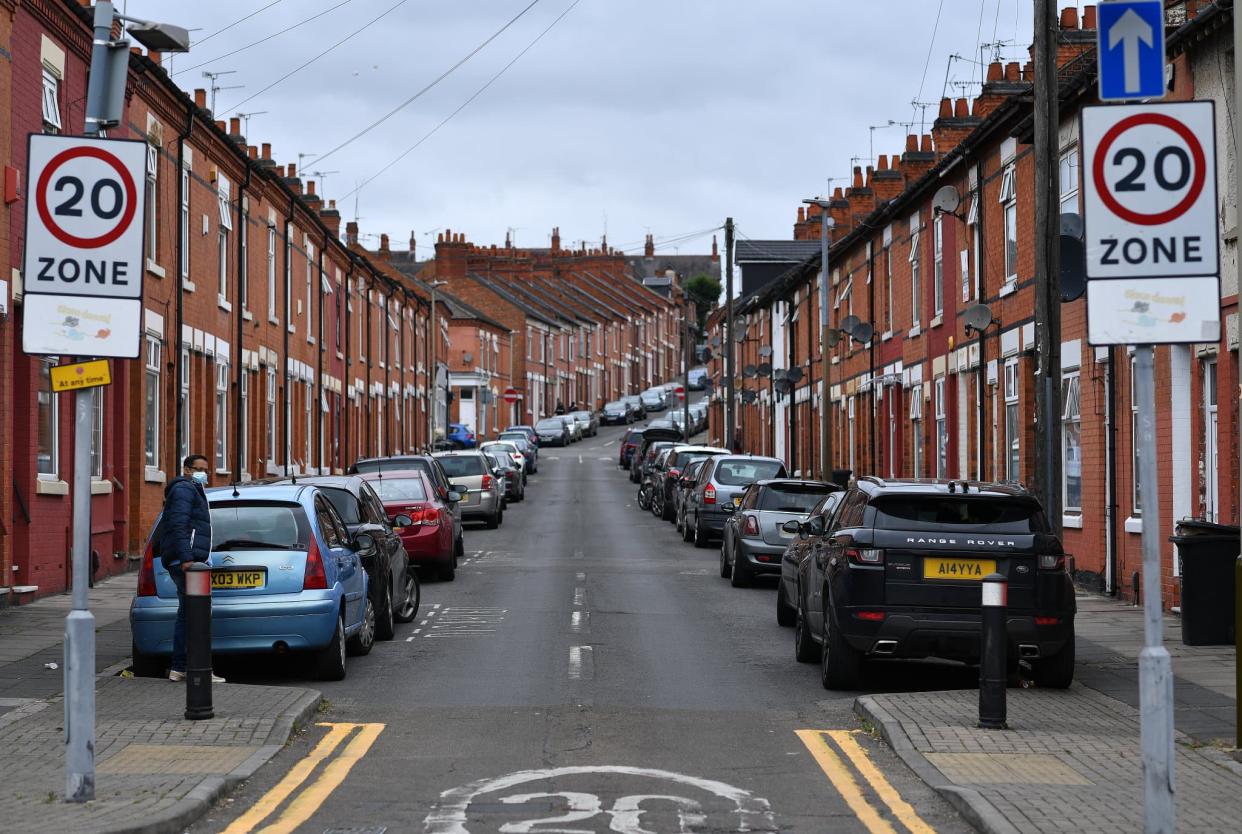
(198, 642)
(994, 646)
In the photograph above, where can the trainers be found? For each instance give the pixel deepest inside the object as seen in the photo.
(174, 675)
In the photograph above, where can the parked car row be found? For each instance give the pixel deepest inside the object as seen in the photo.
(327, 565)
(882, 568)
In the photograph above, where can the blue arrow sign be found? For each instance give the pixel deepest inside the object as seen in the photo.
(1131, 49)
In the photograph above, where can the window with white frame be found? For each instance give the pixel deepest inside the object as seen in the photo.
(310, 410)
(972, 225)
(51, 102)
(888, 289)
(1136, 480)
(938, 275)
(310, 287)
(47, 449)
(1071, 441)
(915, 289)
(1013, 426)
(379, 424)
(151, 392)
(1009, 200)
(289, 275)
(222, 415)
(916, 429)
(270, 415)
(185, 222)
(942, 429)
(97, 434)
(1069, 181)
(226, 226)
(362, 321)
(151, 202)
(244, 401)
(271, 270)
(184, 451)
(243, 255)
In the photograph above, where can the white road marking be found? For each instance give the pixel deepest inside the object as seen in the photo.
(431, 614)
(413, 634)
(579, 596)
(580, 575)
(606, 460)
(581, 663)
(579, 458)
(579, 621)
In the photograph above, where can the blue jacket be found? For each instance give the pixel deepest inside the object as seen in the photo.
(185, 527)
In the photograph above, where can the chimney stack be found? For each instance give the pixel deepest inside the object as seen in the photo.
(200, 98)
(351, 233)
(331, 218)
(649, 249)
(413, 245)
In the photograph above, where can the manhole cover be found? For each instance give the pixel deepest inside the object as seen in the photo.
(1006, 769)
(176, 758)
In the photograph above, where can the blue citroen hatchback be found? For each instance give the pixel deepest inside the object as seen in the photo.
(285, 576)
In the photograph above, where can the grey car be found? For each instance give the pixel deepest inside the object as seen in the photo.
(552, 431)
(589, 421)
(754, 538)
(798, 548)
(484, 497)
(718, 491)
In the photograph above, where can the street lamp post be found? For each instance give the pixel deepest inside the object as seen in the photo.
(433, 334)
(825, 403)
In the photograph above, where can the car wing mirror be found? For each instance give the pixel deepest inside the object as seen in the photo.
(792, 526)
(455, 496)
(364, 545)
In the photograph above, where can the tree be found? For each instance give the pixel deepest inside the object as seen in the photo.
(704, 291)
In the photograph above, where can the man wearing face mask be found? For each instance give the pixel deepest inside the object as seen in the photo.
(185, 537)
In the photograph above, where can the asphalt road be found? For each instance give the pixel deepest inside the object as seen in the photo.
(589, 670)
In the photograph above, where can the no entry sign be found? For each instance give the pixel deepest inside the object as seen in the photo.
(83, 266)
(511, 395)
(1150, 216)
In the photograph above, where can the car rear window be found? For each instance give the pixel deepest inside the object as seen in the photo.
(462, 466)
(941, 512)
(515, 438)
(739, 472)
(259, 525)
(555, 425)
(400, 489)
(345, 503)
(791, 499)
(581, 415)
(634, 437)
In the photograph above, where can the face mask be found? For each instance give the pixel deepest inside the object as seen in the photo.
(200, 477)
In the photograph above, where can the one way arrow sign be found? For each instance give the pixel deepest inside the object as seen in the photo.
(1131, 50)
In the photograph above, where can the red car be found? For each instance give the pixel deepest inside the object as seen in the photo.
(630, 441)
(429, 540)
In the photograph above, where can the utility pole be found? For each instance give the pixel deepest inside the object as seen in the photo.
(433, 335)
(1237, 189)
(730, 409)
(825, 402)
(687, 345)
(1047, 480)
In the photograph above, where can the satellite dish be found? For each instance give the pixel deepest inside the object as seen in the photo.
(794, 375)
(863, 331)
(740, 335)
(467, 357)
(946, 200)
(715, 341)
(1073, 267)
(833, 337)
(765, 351)
(706, 354)
(765, 369)
(749, 396)
(1071, 224)
(977, 317)
(849, 323)
(780, 374)
(750, 372)
(783, 386)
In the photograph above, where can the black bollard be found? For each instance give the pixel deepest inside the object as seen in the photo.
(992, 653)
(198, 642)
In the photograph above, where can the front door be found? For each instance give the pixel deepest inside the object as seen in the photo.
(1211, 481)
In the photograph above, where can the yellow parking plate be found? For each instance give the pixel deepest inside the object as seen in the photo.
(737, 500)
(224, 580)
(957, 569)
(93, 374)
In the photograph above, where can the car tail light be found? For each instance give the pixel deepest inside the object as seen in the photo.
(709, 494)
(1052, 561)
(316, 579)
(865, 556)
(1047, 621)
(430, 517)
(674, 473)
(146, 574)
(873, 616)
(751, 527)
(487, 482)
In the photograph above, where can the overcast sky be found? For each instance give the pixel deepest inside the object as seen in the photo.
(628, 116)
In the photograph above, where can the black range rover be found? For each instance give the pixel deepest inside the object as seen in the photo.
(897, 574)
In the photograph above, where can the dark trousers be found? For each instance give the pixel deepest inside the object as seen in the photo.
(178, 647)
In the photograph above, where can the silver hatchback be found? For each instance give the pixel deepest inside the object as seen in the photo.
(484, 494)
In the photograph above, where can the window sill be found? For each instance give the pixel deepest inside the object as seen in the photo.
(224, 304)
(101, 487)
(153, 476)
(888, 334)
(224, 472)
(273, 320)
(51, 486)
(1008, 288)
(247, 315)
(1134, 524)
(292, 329)
(340, 355)
(914, 331)
(155, 269)
(936, 322)
(1073, 521)
(187, 285)
(310, 340)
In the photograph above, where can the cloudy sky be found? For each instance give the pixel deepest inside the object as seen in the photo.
(627, 116)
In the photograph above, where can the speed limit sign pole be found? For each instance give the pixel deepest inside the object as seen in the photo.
(1153, 277)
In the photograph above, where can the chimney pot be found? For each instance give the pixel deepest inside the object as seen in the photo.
(292, 168)
(252, 152)
(155, 56)
(912, 143)
(1069, 17)
(927, 143)
(235, 126)
(221, 125)
(837, 194)
(383, 243)
(858, 178)
(1088, 17)
(1028, 71)
(961, 109)
(995, 72)
(200, 99)
(1013, 71)
(266, 152)
(310, 188)
(882, 163)
(946, 108)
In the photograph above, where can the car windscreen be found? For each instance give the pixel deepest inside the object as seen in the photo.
(500, 458)
(550, 425)
(961, 513)
(259, 525)
(614, 407)
(790, 499)
(581, 415)
(516, 439)
(400, 489)
(380, 464)
(686, 458)
(462, 466)
(740, 472)
(635, 436)
(346, 504)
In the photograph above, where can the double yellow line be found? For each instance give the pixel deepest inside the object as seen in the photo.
(842, 778)
(303, 806)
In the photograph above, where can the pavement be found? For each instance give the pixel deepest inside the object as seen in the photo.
(155, 771)
(1071, 760)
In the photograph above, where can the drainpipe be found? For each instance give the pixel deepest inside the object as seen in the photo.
(239, 312)
(285, 394)
(366, 411)
(1110, 393)
(875, 411)
(319, 395)
(980, 268)
(349, 357)
(182, 243)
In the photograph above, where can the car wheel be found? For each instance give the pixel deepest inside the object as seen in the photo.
(687, 535)
(740, 576)
(410, 599)
(785, 613)
(1056, 672)
(449, 572)
(700, 537)
(493, 520)
(361, 643)
(840, 664)
(384, 629)
(147, 665)
(330, 660)
(805, 650)
(666, 511)
(724, 562)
